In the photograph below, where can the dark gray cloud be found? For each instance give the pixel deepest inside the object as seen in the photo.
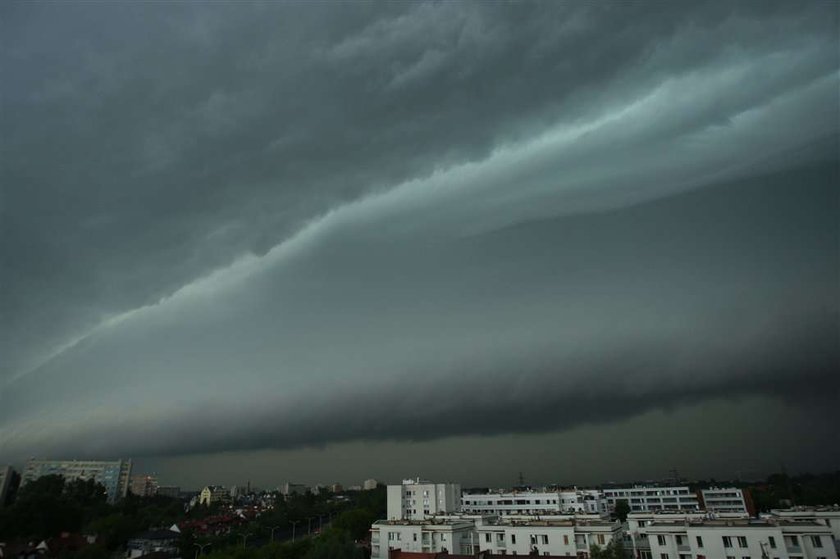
(306, 225)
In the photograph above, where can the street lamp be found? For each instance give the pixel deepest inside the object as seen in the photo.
(294, 524)
(245, 538)
(272, 528)
(201, 547)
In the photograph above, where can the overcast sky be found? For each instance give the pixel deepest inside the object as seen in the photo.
(330, 241)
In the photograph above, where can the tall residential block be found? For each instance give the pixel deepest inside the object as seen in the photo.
(415, 499)
(114, 475)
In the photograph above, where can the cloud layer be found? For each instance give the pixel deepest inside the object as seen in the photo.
(233, 229)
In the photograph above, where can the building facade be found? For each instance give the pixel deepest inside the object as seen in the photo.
(827, 516)
(651, 498)
(143, 485)
(114, 475)
(726, 500)
(370, 484)
(473, 534)
(415, 499)
(589, 501)
(736, 539)
(441, 535)
(213, 494)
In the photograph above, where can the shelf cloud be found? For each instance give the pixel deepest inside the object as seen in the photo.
(288, 226)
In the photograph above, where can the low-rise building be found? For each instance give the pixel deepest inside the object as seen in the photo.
(370, 484)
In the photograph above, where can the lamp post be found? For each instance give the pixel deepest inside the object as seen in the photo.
(245, 538)
(309, 528)
(272, 528)
(294, 524)
(200, 548)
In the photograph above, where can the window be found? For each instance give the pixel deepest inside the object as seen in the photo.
(772, 541)
(727, 541)
(699, 541)
(660, 539)
(545, 540)
(415, 537)
(601, 539)
(816, 541)
(513, 538)
(742, 541)
(487, 537)
(565, 539)
(663, 556)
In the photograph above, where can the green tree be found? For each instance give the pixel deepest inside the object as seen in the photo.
(613, 550)
(622, 509)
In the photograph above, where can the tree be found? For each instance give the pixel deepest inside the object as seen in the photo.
(622, 509)
(613, 550)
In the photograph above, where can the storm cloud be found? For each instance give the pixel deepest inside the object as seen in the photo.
(231, 227)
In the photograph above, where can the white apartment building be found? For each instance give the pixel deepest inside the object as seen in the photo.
(370, 484)
(471, 534)
(416, 499)
(532, 502)
(735, 539)
(452, 534)
(511, 536)
(827, 516)
(725, 500)
(647, 498)
(114, 475)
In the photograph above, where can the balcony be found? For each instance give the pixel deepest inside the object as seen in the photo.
(793, 548)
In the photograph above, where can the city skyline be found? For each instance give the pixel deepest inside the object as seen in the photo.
(342, 241)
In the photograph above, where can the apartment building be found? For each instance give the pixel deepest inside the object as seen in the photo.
(114, 475)
(735, 539)
(548, 536)
(416, 499)
(143, 485)
(439, 535)
(828, 516)
(642, 498)
(727, 500)
(535, 502)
